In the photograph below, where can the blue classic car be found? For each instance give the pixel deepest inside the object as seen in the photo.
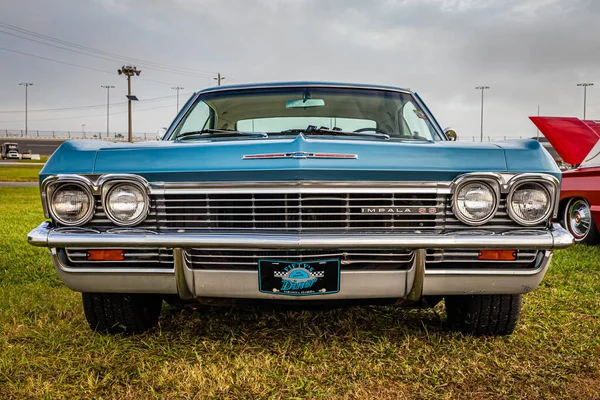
(306, 193)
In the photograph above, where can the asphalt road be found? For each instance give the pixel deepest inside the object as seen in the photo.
(44, 147)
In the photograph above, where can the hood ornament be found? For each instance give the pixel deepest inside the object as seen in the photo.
(299, 155)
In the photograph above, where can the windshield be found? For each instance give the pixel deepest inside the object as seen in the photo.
(290, 110)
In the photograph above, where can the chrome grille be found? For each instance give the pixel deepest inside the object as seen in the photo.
(138, 257)
(301, 211)
(247, 259)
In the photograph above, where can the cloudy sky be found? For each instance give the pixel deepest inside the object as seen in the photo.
(530, 52)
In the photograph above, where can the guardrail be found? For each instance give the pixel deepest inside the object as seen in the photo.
(65, 135)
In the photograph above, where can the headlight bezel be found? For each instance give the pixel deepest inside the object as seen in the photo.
(54, 187)
(514, 187)
(494, 187)
(110, 185)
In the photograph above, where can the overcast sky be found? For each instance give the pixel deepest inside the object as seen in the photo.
(529, 52)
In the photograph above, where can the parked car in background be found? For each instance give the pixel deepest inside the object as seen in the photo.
(578, 144)
(308, 193)
(10, 151)
(26, 155)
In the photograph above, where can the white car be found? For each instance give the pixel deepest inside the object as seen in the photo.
(13, 155)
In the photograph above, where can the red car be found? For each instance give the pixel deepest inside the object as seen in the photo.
(578, 143)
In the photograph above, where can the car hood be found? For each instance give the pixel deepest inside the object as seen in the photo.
(223, 160)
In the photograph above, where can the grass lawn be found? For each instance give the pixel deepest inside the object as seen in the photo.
(47, 350)
(19, 173)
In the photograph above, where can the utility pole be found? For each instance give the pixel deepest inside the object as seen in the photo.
(177, 88)
(83, 129)
(129, 71)
(482, 88)
(585, 86)
(26, 84)
(107, 87)
(219, 78)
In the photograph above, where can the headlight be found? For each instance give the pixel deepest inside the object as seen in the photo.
(126, 204)
(72, 204)
(529, 203)
(475, 203)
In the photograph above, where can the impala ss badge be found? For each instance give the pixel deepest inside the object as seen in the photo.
(398, 210)
(300, 155)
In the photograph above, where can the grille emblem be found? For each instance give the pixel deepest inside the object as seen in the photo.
(300, 155)
(398, 210)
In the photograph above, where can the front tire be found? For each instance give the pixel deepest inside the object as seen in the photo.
(484, 315)
(121, 313)
(579, 222)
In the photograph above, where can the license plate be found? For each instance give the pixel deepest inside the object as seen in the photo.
(299, 278)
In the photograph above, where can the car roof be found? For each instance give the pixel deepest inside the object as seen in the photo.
(266, 85)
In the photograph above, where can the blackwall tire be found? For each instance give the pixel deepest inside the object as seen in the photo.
(484, 315)
(578, 220)
(121, 313)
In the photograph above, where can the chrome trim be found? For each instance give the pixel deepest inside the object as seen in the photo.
(299, 155)
(183, 288)
(551, 182)
(494, 187)
(450, 282)
(50, 191)
(551, 239)
(519, 220)
(115, 280)
(416, 290)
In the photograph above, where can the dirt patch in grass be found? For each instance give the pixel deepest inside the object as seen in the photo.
(47, 350)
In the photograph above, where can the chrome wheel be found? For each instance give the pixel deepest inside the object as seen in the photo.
(579, 218)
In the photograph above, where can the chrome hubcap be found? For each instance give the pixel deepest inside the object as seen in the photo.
(579, 218)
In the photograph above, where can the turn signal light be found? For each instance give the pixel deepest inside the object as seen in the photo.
(497, 255)
(105, 255)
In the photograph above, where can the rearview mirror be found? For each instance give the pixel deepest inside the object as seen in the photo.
(451, 134)
(305, 103)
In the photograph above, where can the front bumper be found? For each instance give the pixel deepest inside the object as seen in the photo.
(556, 238)
(407, 285)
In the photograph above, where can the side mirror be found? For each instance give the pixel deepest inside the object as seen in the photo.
(161, 133)
(451, 134)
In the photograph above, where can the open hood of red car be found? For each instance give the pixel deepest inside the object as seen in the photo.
(572, 138)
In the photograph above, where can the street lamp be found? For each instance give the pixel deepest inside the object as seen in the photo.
(177, 88)
(129, 71)
(26, 84)
(83, 129)
(482, 88)
(107, 87)
(585, 86)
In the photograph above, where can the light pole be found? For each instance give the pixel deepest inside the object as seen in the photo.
(585, 86)
(107, 87)
(129, 71)
(177, 88)
(482, 88)
(83, 129)
(26, 84)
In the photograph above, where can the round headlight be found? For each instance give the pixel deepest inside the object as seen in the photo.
(126, 204)
(475, 203)
(529, 203)
(72, 204)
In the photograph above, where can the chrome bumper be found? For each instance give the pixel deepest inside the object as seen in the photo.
(408, 286)
(557, 238)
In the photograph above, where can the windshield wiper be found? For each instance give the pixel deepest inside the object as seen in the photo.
(231, 132)
(322, 130)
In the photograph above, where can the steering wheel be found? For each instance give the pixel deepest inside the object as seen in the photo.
(372, 130)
